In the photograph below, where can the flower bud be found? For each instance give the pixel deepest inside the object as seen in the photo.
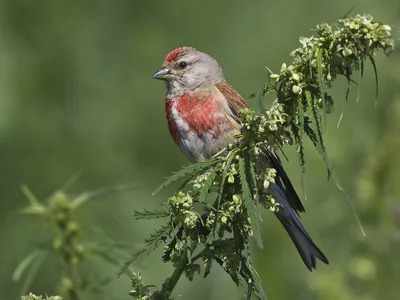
(296, 89)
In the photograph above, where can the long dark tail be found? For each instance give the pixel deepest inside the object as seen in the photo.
(308, 251)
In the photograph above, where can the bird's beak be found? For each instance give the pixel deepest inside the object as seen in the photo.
(162, 74)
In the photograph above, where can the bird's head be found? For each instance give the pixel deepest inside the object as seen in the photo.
(186, 69)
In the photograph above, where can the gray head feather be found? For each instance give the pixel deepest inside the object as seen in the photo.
(190, 70)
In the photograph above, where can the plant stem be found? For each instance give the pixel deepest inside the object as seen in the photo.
(170, 283)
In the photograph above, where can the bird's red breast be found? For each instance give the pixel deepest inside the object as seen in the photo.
(197, 113)
(202, 119)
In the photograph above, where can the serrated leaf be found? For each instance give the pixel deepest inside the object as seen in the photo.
(298, 133)
(250, 282)
(310, 132)
(321, 84)
(259, 101)
(151, 243)
(205, 190)
(186, 171)
(230, 157)
(302, 155)
(252, 210)
(320, 142)
(150, 214)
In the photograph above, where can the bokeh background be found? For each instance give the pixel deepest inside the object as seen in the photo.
(77, 95)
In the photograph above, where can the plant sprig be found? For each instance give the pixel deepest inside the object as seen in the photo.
(58, 213)
(220, 232)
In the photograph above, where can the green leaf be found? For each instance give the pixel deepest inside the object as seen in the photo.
(205, 190)
(25, 263)
(151, 243)
(320, 142)
(86, 196)
(260, 103)
(34, 210)
(249, 281)
(347, 198)
(360, 76)
(376, 78)
(347, 98)
(321, 83)
(30, 196)
(32, 272)
(70, 182)
(310, 132)
(248, 183)
(348, 12)
(188, 249)
(230, 156)
(186, 171)
(207, 267)
(331, 172)
(35, 206)
(298, 133)
(150, 214)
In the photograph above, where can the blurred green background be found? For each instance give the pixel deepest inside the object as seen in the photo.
(77, 95)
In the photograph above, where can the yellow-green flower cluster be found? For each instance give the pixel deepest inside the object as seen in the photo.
(34, 297)
(270, 203)
(140, 291)
(258, 130)
(181, 207)
(362, 29)
(199, 181)
(267, 176)
(177, 252)
(231, 173)
(231, 209)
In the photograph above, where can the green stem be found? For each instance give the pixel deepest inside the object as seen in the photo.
(170, 283)
(69, 254)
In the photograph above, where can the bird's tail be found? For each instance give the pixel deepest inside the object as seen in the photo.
(308, 251)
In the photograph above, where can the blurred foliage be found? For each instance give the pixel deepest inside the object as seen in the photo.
(77, 95)
(64, 241)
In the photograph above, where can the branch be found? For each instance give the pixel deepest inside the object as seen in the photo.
(234, 177)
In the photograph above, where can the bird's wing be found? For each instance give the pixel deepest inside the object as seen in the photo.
(234, 100)
(235, 103)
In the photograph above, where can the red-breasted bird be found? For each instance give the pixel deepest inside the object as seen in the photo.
(202, 114)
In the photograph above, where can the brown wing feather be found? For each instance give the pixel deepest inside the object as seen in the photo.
(236, 103)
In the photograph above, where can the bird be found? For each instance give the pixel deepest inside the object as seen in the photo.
(202, 115)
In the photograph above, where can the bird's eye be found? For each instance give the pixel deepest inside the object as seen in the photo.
(183, 64)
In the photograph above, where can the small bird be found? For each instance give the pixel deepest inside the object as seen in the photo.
(202, 114)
